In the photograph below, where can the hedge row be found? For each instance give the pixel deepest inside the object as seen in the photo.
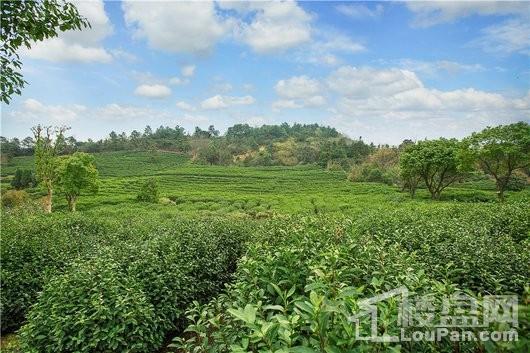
(111, 286)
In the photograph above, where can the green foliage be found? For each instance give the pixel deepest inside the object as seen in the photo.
(302, 278)
(141, 271)
(500, 151)
(77, 173)
(26, 22)
(149, 191)
(437, 162)
(24, 178)
(92, 307)
(48, 143)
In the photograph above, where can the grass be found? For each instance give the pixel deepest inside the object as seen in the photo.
(245, 191)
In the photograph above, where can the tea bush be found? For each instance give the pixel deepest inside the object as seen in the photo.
(149, 191)
(93, 307)
(35, 248)
(163, 264)
(301, 280)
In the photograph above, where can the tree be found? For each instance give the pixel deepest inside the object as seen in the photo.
(48, 143)
(499, 151)
(77, 173)
(24, 22)
(212, 131)
(436, 162)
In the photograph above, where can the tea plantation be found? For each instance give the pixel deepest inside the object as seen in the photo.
(250, 259)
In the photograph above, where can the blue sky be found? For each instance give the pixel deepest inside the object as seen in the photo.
(382, 70)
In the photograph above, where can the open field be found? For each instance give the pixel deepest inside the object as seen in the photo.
(297, 247)
(254, 191)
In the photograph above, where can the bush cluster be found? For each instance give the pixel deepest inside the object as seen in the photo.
(302, 279)
(111, 286)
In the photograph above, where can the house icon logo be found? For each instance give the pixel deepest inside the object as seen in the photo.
(368, 307)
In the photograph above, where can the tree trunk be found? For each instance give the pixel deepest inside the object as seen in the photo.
(48, 201)
(500, 190)
(500, 194)
(71, 203)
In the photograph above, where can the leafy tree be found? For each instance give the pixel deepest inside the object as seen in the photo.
(23, 178)
(212, 131)
(436, 162)
(75, 174)
(48, 143)
(149, 191)
(24, 22)
(500, 151)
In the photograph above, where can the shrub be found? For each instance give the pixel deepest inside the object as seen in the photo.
(24, 178)
(15, 198)
(517, 182)
(373, 174)
(34, 248)
(93, 307)
(149, 191)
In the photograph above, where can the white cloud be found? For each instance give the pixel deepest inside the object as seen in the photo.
(117, 112)
(360, 11)
(78, 46)
(326, 47)
(286, 104)
(35, 111)
(188, 70)
(396, 99)
(176, 26)
(221, 102)
(274, 26)
(351, 81)
(298, 92)
(437, 68)
(429, 13)
(511, 36)
(153, 91)
(185, 106)
(124, 55)
(297, 87)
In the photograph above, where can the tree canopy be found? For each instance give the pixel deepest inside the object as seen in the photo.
(25, 22)
(77, 173)
(436, 162)
(499, 151)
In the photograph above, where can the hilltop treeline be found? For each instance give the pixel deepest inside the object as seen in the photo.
(241, 144)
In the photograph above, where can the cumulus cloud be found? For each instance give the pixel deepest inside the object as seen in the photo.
(511, 36)
(153, 91)
(360, 11)
(221, 102)
(429, 13)
(297, 87)
(36, 111)
(273, 27)
(176, 26)
(298, 92)
(185, 106)
(78, 46)
(351, 81)
(380, 98)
